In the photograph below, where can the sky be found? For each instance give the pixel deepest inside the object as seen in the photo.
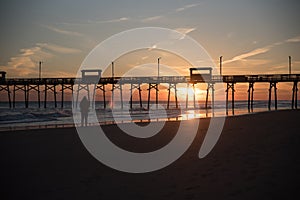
(254, 37)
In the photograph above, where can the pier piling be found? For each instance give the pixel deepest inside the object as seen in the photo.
(138, 87)
(272, 85)
(210, 86)
(295, 95)
(6, 88)
(101, 87)
(250, 96)
(155, 87)
(114, 87)
(172, 86)
(230, 86)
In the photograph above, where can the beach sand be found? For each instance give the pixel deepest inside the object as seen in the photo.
(256, 157)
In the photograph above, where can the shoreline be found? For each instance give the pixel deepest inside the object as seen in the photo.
(13, 128)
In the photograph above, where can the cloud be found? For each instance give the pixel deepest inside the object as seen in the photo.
(262, 50)
(61, 74)
(254, 52)
(149, 19)
(296, 62)
(58, 49)
(185, 30)
(152, 47)
(186, 7)
(122, 19)
(258, 61)
(157, 17)
(249, 54)
(278, 67)
(114, 20)
(145, 57)
(294, 39)
(25, 63)
(64, 32)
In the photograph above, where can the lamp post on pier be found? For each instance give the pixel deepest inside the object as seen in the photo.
(221, 57)
(112, 70)
(40, 70)
(290, 65)
(158, 59)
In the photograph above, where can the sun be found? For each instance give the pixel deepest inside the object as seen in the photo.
(183, 91)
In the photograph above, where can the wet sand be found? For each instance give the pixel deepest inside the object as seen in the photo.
(256, 157)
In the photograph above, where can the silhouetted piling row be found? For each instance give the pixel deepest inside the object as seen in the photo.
(50, 85)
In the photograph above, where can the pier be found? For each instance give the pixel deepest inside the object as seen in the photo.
(53, 86)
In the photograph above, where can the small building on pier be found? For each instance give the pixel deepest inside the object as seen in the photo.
(202, 74)
(2, 76)
(91, 75)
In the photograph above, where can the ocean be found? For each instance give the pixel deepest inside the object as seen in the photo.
(20, 118)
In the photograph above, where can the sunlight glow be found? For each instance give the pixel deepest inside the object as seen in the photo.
(199, 93)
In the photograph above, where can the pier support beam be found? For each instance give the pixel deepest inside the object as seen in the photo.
(250, 96)
(35, 88)
(93, 96)
(39, 95)
(295, 95)
(194, 95)
(53, 89)
(63, 88)
(101, 87)
(8, 94)
(272, 85)
(155, 87)
(230, 86)
(62, 95)
(6, 88)
(22, 88)
(210, 86)
(172, 86)
(187, 95)
(82, 87)
(26, 95)
(114, 87)
(138, 87)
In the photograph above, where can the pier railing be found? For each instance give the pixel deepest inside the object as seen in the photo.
(155, 79)
(258, 78)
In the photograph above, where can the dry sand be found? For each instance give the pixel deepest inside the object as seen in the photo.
(256, 157)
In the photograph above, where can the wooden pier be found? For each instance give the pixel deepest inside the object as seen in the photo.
(52, 86)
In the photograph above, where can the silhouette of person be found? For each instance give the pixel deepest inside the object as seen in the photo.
(84, 109)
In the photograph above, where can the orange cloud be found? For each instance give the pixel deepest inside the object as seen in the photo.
(25, 64)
